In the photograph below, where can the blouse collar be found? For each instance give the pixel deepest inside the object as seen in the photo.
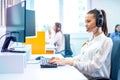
(98, 37)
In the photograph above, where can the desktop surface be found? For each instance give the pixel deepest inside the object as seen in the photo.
(34, 72)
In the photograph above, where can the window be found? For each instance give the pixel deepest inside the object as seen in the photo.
(0, 12)
(47, 13)
(74, 15)
(71, 13)
(3, 5)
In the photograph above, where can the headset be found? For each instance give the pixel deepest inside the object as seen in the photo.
(99, 21)
(58, 25)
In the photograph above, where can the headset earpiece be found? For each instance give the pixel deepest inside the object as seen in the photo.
(58, 25)
(59, 29)
(99, 21)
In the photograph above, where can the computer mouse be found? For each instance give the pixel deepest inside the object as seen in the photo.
(38, 58)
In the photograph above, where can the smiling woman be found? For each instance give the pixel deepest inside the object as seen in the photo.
(94, 59)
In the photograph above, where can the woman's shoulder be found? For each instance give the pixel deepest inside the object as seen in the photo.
(59, 33)
(113, 34)
(108, 40)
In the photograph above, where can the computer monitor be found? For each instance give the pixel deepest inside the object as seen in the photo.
(15, 24)
(30, 23)
(19, 24)
(16, 20)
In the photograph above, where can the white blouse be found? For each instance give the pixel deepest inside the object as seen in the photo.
(95, 57)
(58, 39)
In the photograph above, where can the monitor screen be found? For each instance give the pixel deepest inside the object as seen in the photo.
(15, 21)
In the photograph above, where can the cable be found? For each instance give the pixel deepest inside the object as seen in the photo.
(8, 33)
(4, 35)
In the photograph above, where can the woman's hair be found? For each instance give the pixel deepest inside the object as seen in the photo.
(103, 19)
(116, 27)
(58, 27)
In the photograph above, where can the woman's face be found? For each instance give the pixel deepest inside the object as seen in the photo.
(54, 28)
(118, 28)
(90, 22)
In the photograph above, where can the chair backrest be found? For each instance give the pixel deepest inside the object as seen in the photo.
(68, 51)
(115, 60)
(108, 35)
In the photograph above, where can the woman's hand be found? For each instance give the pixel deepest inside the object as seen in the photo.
(49, 32)
(61, 61)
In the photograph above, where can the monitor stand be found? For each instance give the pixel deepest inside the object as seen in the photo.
(6, 44)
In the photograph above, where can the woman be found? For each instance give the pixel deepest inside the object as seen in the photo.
(116, 34)
(58, 38)
(94, 58)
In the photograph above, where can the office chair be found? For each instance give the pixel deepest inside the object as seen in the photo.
(115, 62)
(108, 35)
(67, 52)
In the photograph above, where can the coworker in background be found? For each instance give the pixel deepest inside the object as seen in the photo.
(116, 34)
(94, 59)
(58, 38)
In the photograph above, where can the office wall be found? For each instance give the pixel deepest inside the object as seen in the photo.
(112, 8)
(77, 40)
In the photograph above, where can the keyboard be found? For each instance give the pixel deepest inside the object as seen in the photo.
(44, 63)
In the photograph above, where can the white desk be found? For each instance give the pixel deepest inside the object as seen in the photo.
(34, 72)
(12, 62)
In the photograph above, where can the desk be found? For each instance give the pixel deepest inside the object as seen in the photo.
(34, 72)
(50, 49)
(12, 63)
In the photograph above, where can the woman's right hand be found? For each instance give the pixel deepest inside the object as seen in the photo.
(53, 58)
(61, 61)
(49, 32)
(56, 60)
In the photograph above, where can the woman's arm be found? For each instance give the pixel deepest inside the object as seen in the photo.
(88, 66)
(55, 38)
(98, 59)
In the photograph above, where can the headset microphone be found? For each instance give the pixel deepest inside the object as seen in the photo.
(92, 28)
